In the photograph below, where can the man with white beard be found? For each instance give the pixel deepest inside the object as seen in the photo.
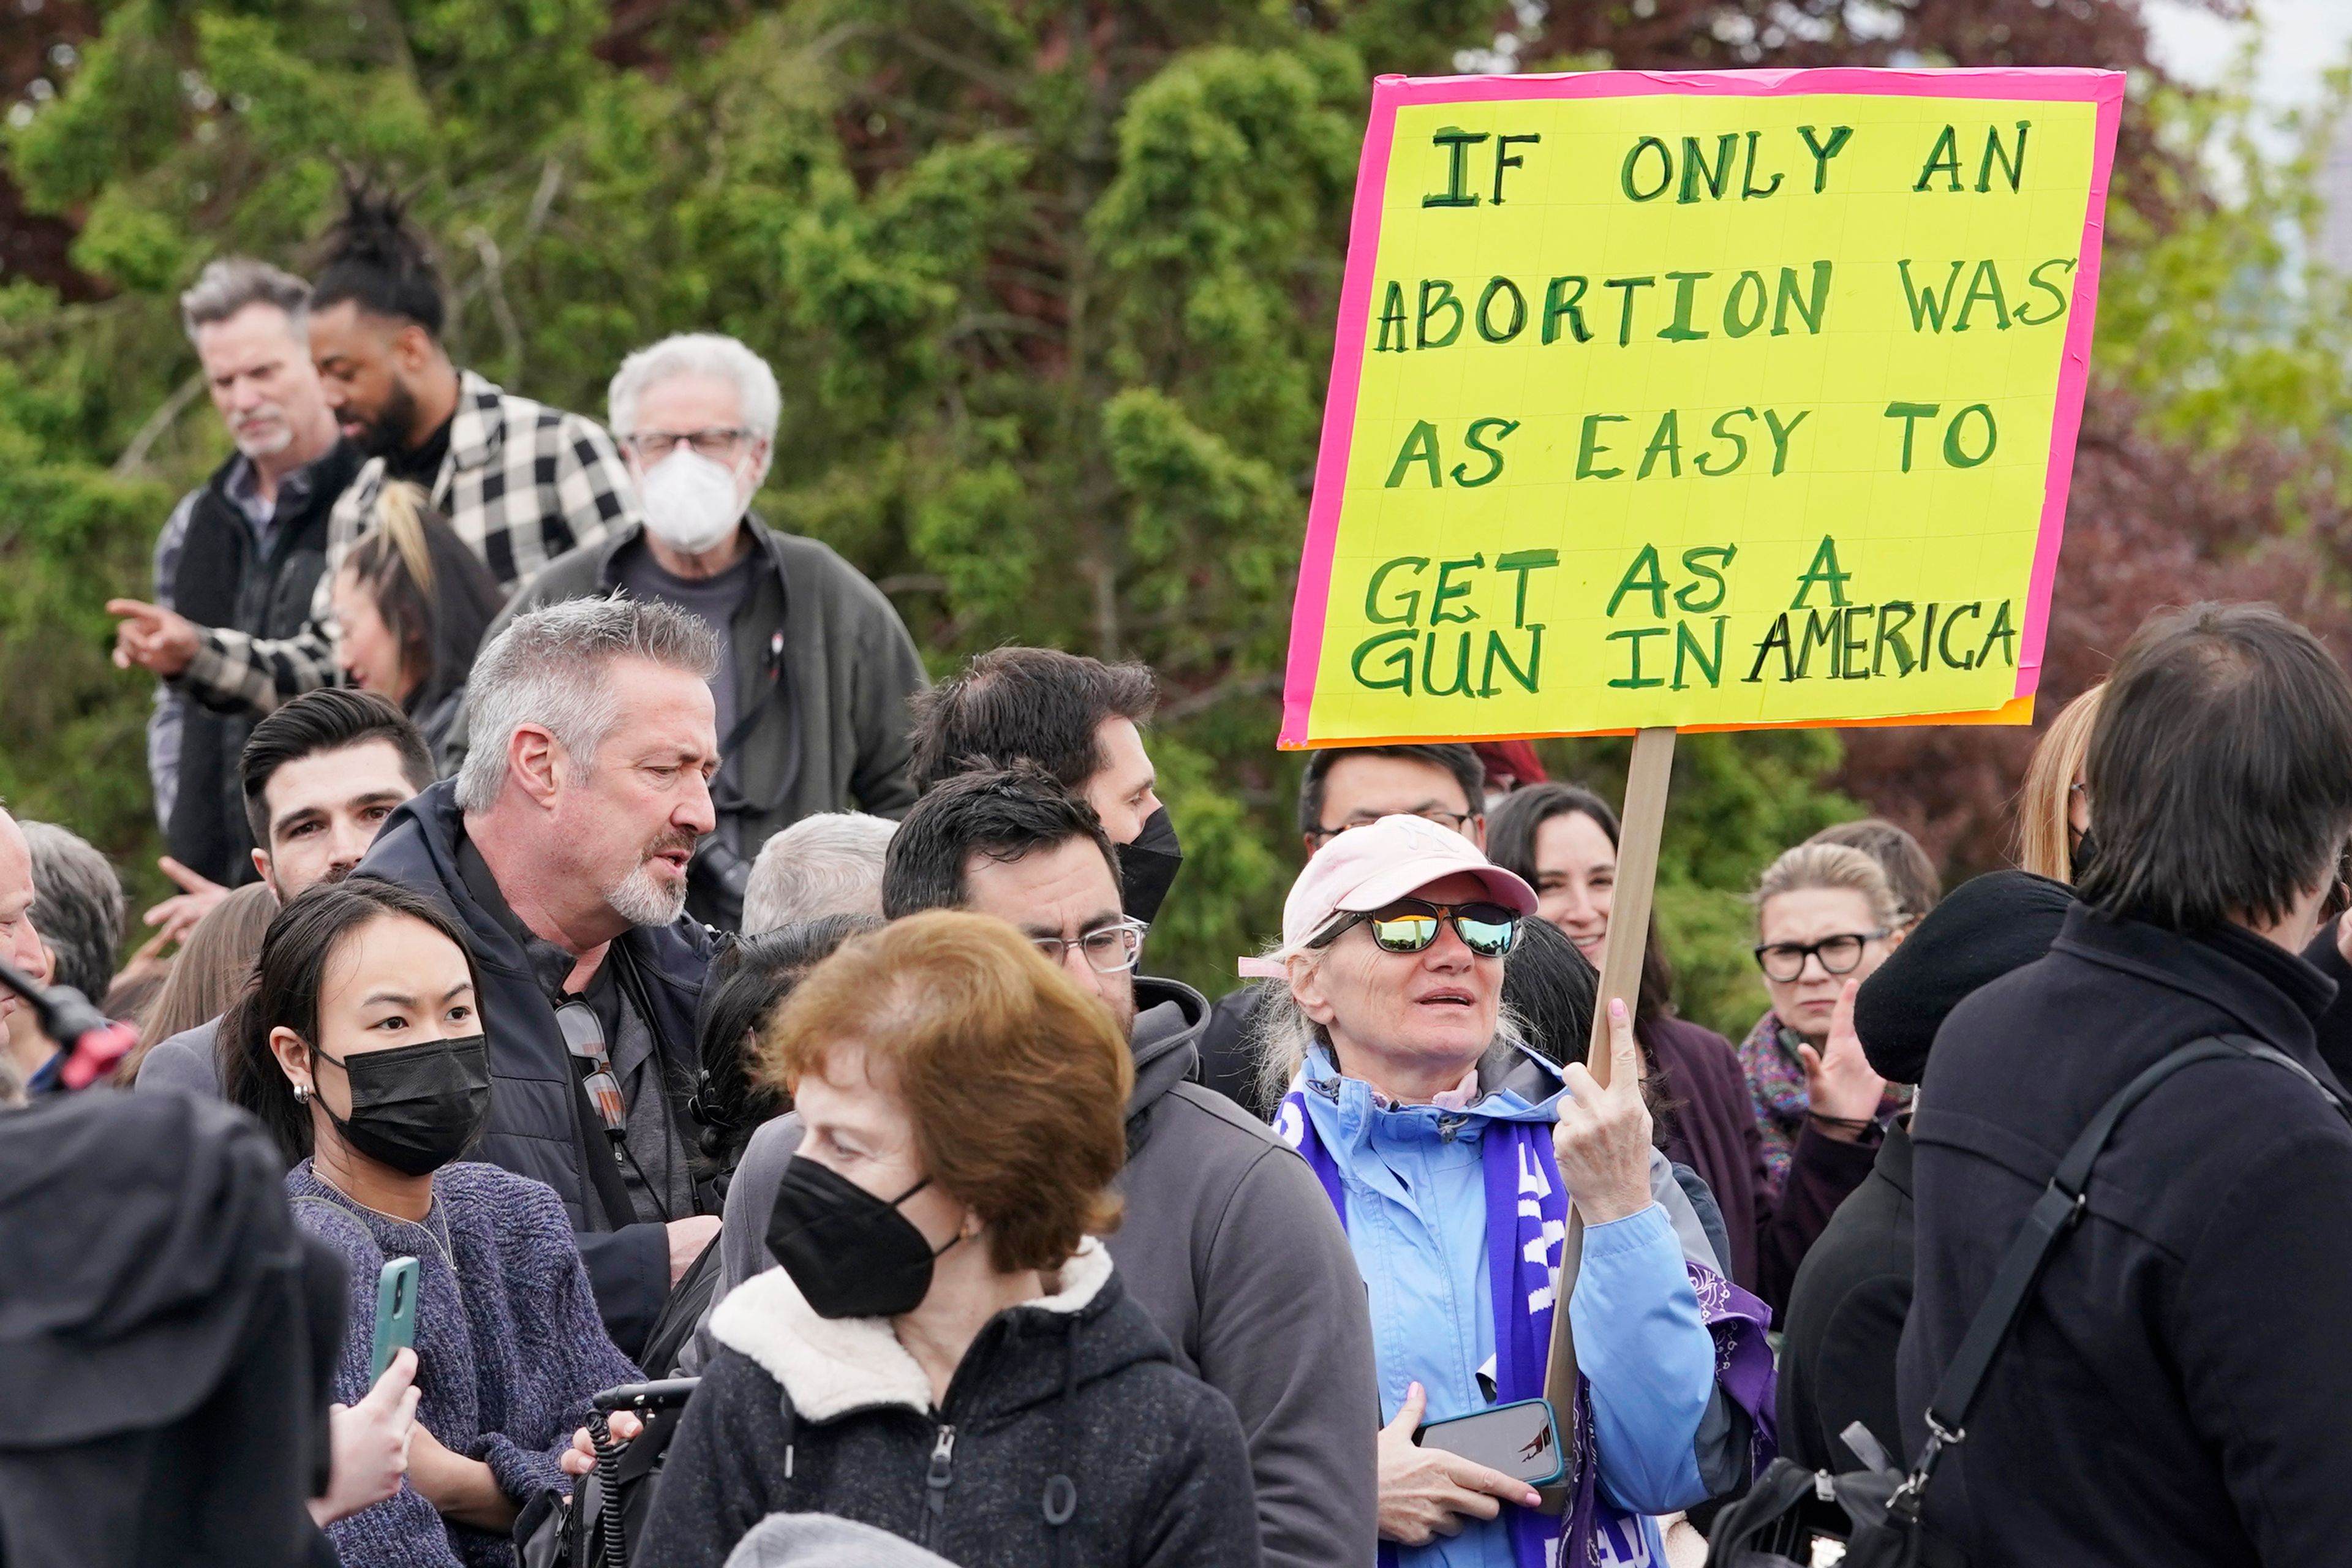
(561, 847)
(244, 550)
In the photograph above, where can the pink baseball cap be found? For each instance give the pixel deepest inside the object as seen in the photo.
(1370, 868)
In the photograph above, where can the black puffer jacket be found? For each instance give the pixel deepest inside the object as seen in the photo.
(535, 1098)
(1069, 1403)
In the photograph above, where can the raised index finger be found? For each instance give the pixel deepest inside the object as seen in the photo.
(1842, 1029)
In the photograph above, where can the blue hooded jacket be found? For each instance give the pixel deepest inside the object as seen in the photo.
(1667, 1435)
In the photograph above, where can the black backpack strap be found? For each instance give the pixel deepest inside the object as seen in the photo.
(2054, 1214)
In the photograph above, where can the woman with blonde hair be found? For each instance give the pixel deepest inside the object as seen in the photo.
(947, 1352)
(2053, 812)
(412, 602)
(207, 974)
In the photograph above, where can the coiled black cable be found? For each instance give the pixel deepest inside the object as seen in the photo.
(608, 1479)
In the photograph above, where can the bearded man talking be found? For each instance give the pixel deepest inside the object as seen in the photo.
(562, 846)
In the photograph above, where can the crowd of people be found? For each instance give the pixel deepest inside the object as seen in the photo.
(587, 900)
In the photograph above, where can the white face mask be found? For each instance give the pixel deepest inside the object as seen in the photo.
(690, 502)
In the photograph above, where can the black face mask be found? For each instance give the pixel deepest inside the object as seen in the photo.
(2086, 851)
(416, 1107)
(1147, 865)
(853, 1254)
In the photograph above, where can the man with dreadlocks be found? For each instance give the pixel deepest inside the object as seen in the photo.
(520, 482)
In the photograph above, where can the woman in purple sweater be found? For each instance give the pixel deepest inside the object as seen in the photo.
(358, 1046)
(1564, 841)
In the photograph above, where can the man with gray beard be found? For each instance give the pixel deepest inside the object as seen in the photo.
(561, 846)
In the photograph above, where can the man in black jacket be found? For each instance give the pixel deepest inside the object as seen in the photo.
(2176, 1389)
(562, 847)
(245, 549)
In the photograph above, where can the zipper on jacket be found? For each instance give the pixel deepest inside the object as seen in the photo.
(936, 1483)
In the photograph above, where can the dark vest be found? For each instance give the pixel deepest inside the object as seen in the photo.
(223, 580)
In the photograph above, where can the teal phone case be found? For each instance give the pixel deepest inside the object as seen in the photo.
(395, 1314)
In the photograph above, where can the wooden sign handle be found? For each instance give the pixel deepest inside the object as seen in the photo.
(1644, 818)
(1638, 827)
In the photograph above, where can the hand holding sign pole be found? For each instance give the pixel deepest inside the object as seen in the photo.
(1641, 824)
(1699, 401)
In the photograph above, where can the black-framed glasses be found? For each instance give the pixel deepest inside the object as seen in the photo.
(718, 443)
(1410, 925)
(1839, 955)
(1455, 820)
(1109, 950)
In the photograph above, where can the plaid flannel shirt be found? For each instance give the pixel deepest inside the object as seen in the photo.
(522, 484)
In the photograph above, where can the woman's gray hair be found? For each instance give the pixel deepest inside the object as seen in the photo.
(1828, 866)
(77, 906)
(1281, 1034)
(713, 354)
(552, 667)
(233, 282)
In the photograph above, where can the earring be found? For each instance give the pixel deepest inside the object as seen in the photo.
(302, 1094)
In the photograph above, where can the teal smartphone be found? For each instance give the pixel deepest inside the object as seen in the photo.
(395, 1314)
(1520, 1439)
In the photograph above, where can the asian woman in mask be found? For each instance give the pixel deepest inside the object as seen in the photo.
(358, 1044)
(947, 1352)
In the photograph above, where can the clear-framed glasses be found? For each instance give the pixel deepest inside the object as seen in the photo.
(1452, 820)
(1410, 926)
(1840, 954)
(1108, 949)
(719, 444)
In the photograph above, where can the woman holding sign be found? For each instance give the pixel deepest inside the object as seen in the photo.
(1453, 1153)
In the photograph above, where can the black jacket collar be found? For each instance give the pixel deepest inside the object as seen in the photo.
(1893, 1163)
(418, 847)
(2274, 994)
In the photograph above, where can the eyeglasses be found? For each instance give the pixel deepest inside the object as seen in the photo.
(583, 1037)
(1410, 926)
(1109, 950)
(720, 445)
(1839, 955)
(1455, 820)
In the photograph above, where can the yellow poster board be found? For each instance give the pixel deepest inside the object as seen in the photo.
(1710, 399)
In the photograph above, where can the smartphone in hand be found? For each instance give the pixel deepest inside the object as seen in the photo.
(1521, 1440)
(395, 1314)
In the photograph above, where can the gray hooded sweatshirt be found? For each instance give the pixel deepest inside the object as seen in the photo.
(1231, 1246)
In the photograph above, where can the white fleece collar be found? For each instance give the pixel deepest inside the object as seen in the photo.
(832, 1367)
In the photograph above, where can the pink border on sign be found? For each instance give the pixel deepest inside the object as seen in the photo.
(1390, 93)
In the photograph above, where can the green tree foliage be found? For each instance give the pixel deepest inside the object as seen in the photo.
(1050, 291)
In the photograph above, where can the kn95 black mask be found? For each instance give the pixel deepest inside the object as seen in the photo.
(1147, 866)
(416, 1108)
(852, 1254)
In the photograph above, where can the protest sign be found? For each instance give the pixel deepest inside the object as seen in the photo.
(1712, 400)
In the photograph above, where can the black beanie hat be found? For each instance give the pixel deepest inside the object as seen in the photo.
(1983, 928)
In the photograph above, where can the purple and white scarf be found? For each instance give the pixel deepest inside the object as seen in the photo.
(1526, 1224)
